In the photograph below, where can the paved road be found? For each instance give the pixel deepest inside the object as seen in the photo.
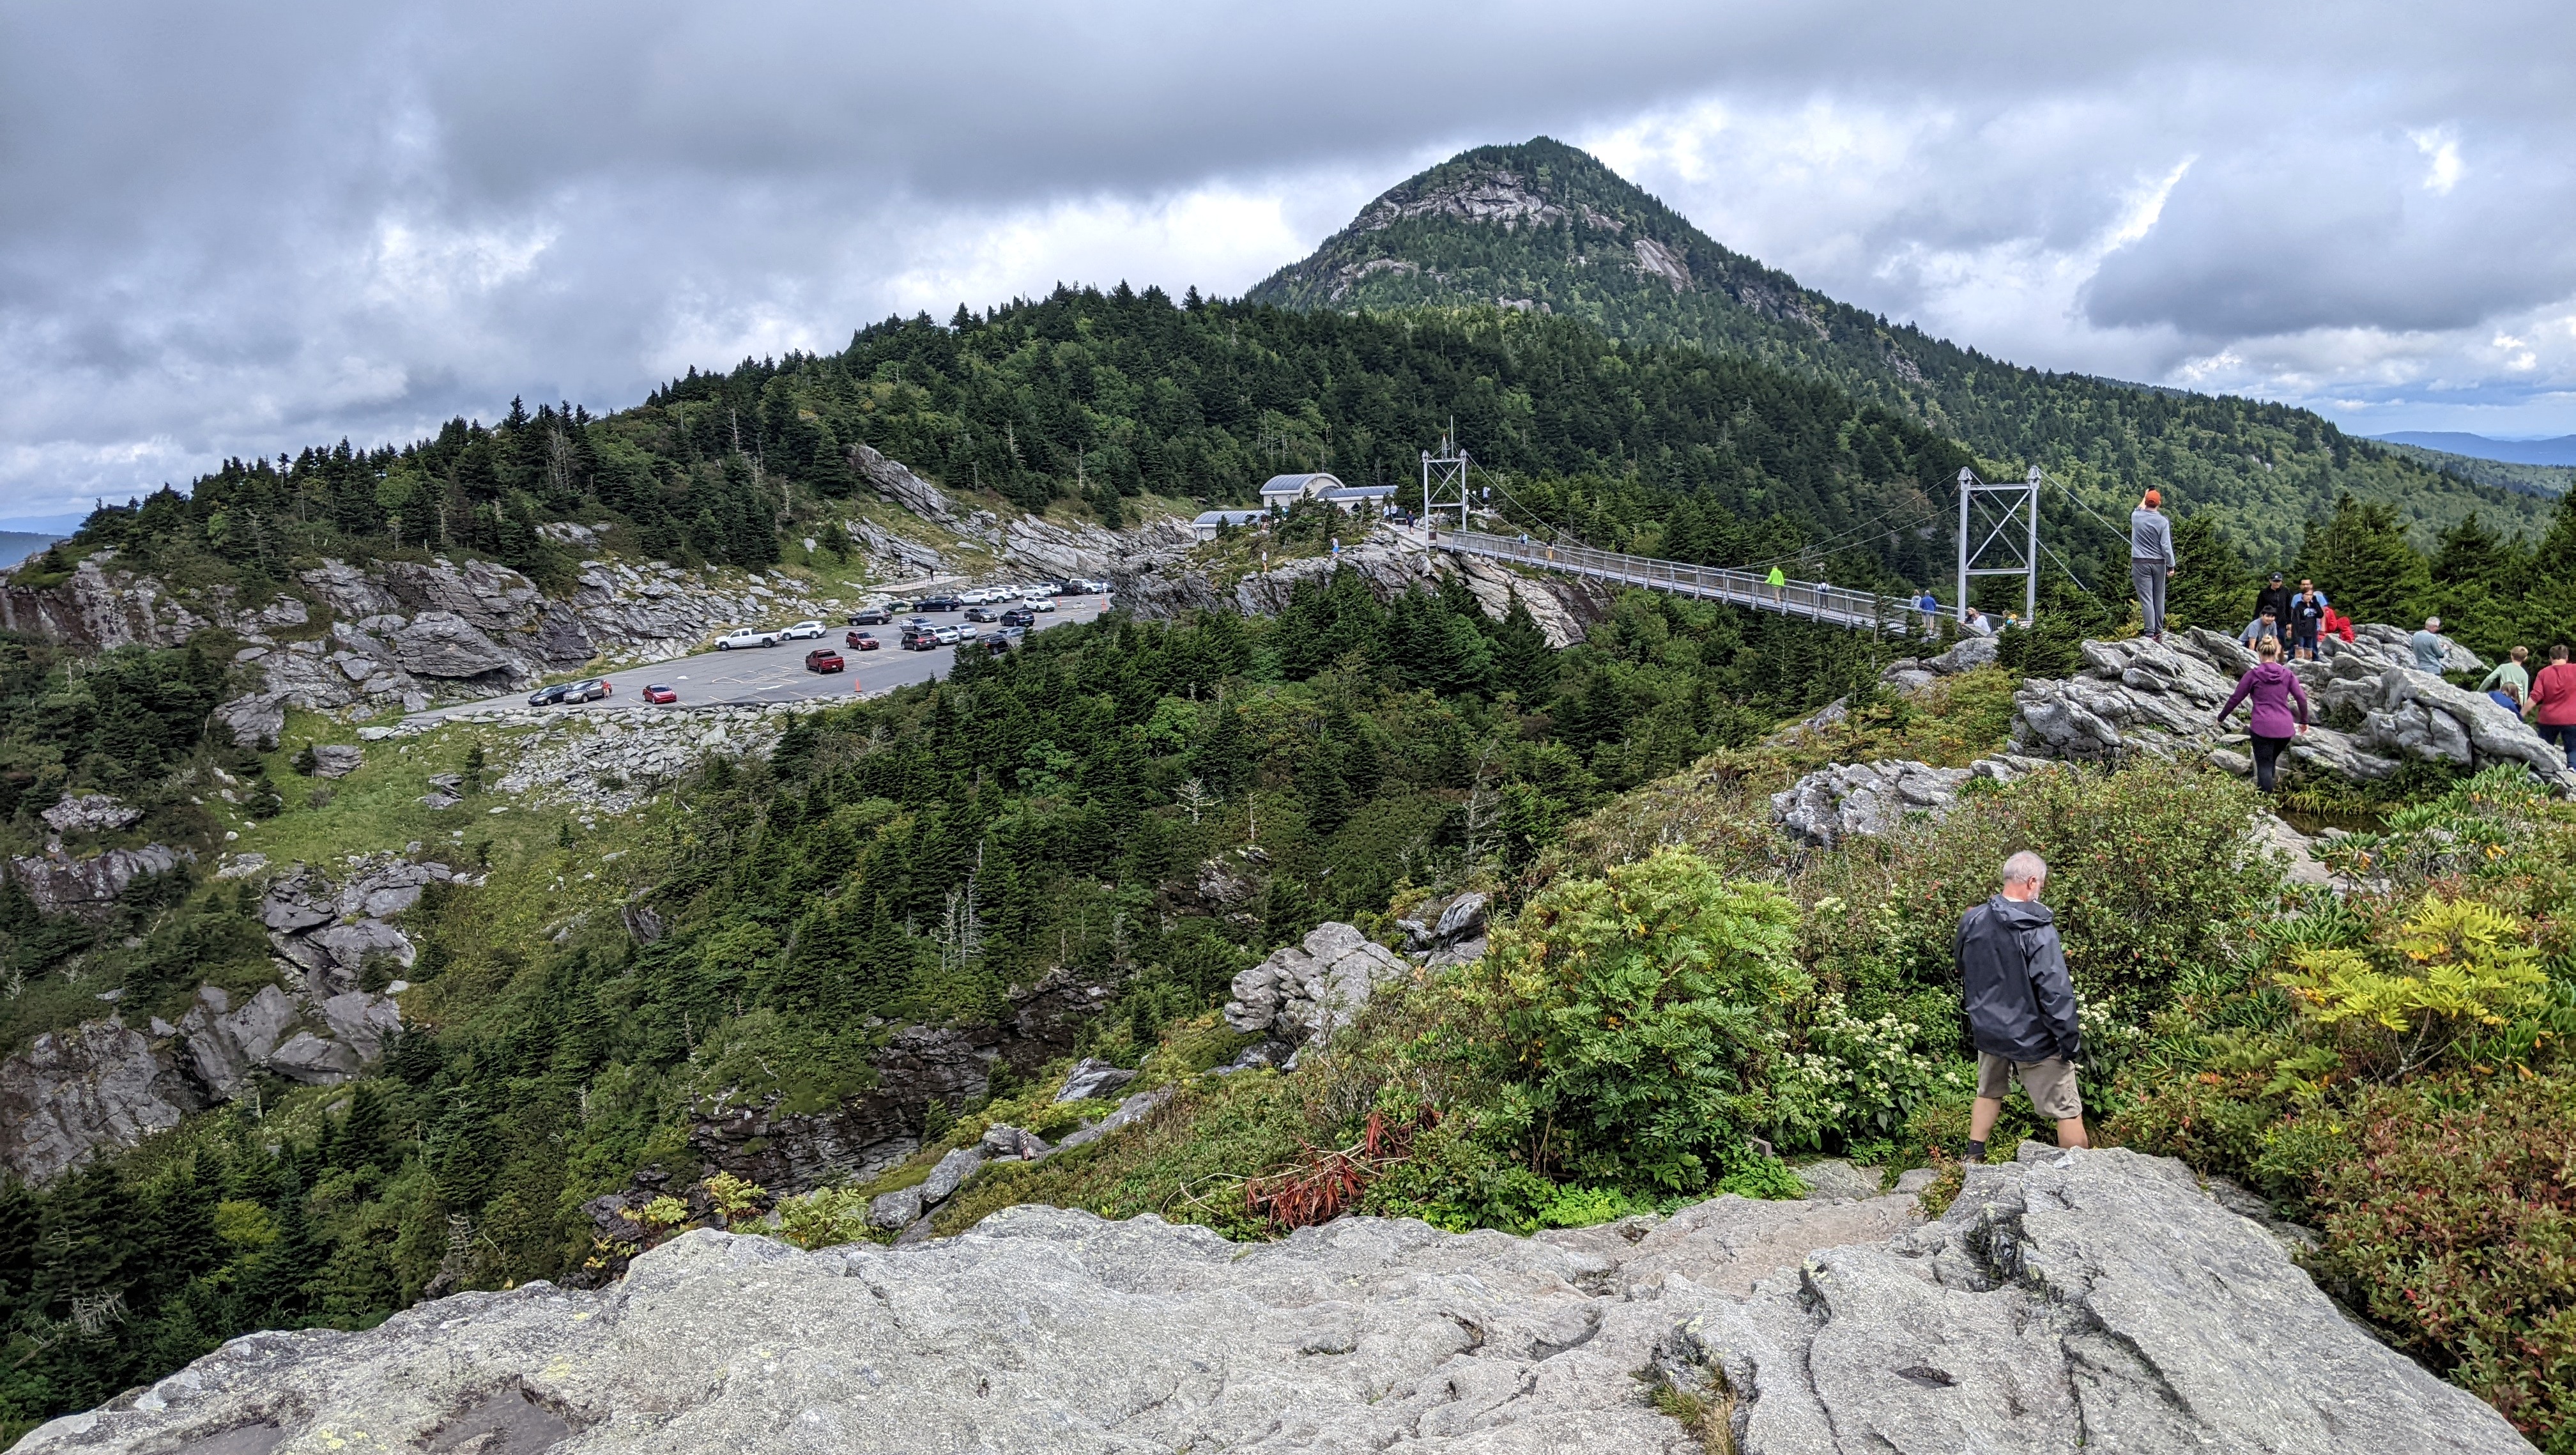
(777, 674)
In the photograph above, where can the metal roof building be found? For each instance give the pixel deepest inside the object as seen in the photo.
(1283, 488)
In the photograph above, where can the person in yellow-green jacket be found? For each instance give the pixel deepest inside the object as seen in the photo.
(1779, 584)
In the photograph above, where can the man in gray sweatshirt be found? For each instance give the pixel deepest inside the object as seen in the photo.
(2151, 559)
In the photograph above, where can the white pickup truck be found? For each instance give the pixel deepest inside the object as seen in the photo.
(746, 637)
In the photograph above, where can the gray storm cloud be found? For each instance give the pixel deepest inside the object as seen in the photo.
(234, 229)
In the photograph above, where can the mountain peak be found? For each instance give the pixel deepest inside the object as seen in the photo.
(1390, 253)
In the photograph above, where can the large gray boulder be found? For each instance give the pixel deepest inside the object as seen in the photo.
(74, 1092)
(2096, 1300)
(445, 644)
(1842, 801)
(89, 886)
(1307, 991)
(2159, 700)
(90, 813)
(2105, 1305)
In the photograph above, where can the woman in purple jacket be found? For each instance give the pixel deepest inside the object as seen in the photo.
(2272, 686)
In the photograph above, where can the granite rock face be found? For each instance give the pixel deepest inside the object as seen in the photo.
(75, 1091)
(1867, 800)
(1307, 991)
(1167, 584)
(2160, 700)
(89, 813)
(89, 886)
(2105, 1305)
(2097, 1300)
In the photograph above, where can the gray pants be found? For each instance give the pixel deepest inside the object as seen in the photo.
(2149, 578)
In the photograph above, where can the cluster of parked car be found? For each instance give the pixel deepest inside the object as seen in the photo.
(588, 689)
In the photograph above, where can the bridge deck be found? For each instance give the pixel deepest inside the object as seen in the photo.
(1813, 600)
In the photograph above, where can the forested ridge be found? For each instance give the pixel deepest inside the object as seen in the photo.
(1093, 399)
(1570, 242)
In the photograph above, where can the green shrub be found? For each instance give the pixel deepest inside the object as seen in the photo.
(1849, 1080)
(2455, 1229)
(1637, 1015)
(2147, 876)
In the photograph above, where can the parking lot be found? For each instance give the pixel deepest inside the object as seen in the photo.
(777, 674)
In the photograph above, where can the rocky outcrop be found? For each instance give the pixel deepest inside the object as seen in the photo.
(101, 1085)
(891, 556)
(60, 884)
(612, 762)
(73, 1092)
(2161, 700)
(1305, 992)
(1451, 931)
(101, 608)
(2106, 1304)
(1087, 551)
(89, 813)
(1867, 800)
(1171, 584)
(894, 480)
(868, 1132)
(333, 931)
(2095, 1301)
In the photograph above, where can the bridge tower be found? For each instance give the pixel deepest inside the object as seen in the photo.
(1444, 483)
(1999, 535)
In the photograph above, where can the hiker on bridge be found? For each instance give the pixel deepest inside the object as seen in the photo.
(2021, 1007)
(1930, 606)
(2272, 686)
(2151, 559)
(1779, 583)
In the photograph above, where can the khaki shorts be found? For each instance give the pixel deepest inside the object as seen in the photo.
(2051, 1084)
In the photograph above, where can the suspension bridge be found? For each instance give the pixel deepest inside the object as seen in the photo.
(1998, 536)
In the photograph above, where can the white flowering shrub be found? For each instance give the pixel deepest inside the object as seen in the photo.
(1844, 1080)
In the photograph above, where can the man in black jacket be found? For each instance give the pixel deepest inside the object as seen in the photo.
(2274, 598)
(2021, 1006)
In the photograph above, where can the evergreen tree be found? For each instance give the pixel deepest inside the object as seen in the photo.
(2359, 557)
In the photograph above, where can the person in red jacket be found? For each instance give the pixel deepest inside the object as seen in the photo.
(2553, 702)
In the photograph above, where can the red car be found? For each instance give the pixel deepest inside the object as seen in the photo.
(861, 642)
(659, 693)
(824, 659)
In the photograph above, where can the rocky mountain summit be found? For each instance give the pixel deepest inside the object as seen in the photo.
(2095, 1300)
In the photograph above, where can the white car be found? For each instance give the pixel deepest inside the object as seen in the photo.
(747, 637)
(813, 629)
(967, 631)
(947, 635)
(1034, 602)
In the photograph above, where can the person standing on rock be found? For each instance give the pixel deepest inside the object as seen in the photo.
(2307, 618)
(2553, 702)
(2431, 651)
(2151, 559)
(2021, 1007)
(2273, 598)
(2272, 686)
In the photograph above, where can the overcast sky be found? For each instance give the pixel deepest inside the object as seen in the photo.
(233, 229)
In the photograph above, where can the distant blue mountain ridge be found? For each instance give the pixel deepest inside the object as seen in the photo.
(2558, 451)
